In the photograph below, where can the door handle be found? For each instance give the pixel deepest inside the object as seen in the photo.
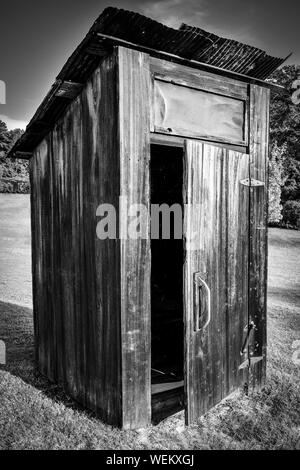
(199, 283)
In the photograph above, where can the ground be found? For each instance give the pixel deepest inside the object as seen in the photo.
(37, 415)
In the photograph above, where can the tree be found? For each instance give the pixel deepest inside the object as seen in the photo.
(291, 188)
(4, 139)
(10, 167)
(14, 135)
(291, 213)
(276, 181)
(285, 128)
(284, 114)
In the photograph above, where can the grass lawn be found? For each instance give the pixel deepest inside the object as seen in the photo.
(15, 249)
(37, 415)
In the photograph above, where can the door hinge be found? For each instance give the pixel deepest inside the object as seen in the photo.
(252, 182)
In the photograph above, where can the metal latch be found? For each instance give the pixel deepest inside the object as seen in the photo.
(250, 329)
(252, 182)
(251, 361)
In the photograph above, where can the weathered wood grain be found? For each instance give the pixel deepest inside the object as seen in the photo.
(200, 79)
(259, 130)
(218, 252)
(176, 141)
(77, 318)
(134, 76)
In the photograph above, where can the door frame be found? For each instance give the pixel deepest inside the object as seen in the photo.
(179, 142)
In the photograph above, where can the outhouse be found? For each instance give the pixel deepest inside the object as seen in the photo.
(136, 327)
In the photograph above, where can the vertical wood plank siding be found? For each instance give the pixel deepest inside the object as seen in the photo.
(219, 253)
(259, 133)
(134, 82)
(76, 276)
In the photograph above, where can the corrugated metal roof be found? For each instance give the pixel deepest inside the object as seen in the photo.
(188, 42)
(201, 48)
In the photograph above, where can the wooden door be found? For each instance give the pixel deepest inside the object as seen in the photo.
(216, 229)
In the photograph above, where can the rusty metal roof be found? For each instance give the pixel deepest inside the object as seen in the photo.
(190, 44)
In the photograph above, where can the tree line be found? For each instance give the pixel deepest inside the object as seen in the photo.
(11, 168)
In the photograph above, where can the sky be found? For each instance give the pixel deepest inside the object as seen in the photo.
(37, 37)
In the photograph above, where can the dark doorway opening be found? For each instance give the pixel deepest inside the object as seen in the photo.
(167, 330)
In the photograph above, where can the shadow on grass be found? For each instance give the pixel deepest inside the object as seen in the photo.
(16, 330)
(290, 295)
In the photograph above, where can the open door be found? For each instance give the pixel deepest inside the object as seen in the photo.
(216, 230)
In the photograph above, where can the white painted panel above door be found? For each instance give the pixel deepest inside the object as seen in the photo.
(190, 112)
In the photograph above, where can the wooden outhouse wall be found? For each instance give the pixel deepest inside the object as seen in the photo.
(80, 292)
(76, 317)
